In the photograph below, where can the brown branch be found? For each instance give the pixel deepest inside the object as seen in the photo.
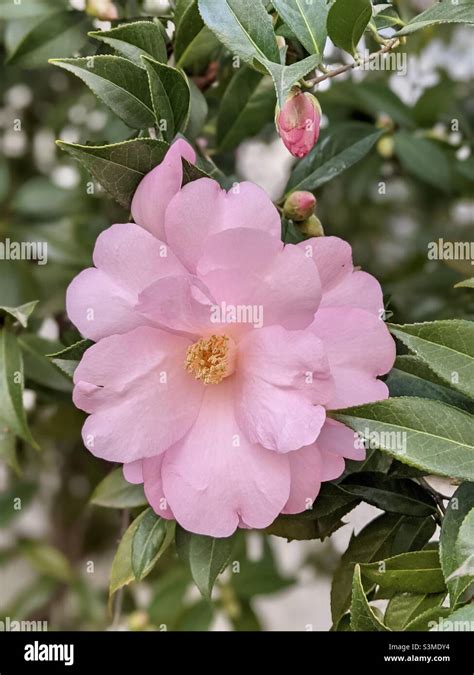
(391, 44)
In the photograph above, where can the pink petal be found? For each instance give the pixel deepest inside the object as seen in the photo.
(178, 303)
(360, 290)
(338, 439)
(158, 187)
(101, 301)
(152, 468)
(306, 471)
(332, 465)
(214, 477)
(283, 378)
(333, 258)
(202, 208)
(245, 267)
(141, 398)
(133, 472)
(359, 348)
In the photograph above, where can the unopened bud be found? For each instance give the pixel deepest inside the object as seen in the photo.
(299, 206)
(311, 227)
(104, 10)
(298, 122)
(386, 147)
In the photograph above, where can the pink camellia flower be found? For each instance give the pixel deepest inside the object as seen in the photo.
(219, 350)
(298, 122)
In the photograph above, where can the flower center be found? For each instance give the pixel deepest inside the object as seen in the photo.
(211, 359)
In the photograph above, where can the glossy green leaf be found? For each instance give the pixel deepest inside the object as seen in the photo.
(170, 95)
(456, 543)
(120, 167)
(194, 42)
(446, 346)
(413, 377)
(404, 608)
(461, 11)
(116, 493)
(426, 434)
(386, 16)
(38, 367)
(307, 20)
(12, 413)
(121, 573)
(363, 617)
(423, 159)
(460, 620)
(415, 572)
(152, 537)
(206, 557)
(467, 283)
(119, 83)
(21, 313)
(247, 105)
(347, 21)
(136, 39)
(341, 149)
(243, 26)
(74, 352)
(50, 35)
(392, 495)
(383, 537)
(428, 619)
(284, 77)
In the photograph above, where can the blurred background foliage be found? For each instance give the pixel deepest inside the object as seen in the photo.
(413, 187)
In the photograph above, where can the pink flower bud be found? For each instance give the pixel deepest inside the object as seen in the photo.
(299, 205)
(298, 122)
(104, 10)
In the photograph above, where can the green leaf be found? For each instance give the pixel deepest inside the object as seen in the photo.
(443, 12)
(386, 16)
(428, 619)
(383, 537)
(52, 35)
(363, 617)
(422, 433)
(120, 167)
(116, 493)
(47, 560)
(198, 617)
(456, 552)
(392, 495)
(243, 26)
(466, 283)
(133, 40)
(21, 313)
(194, 42)
(415, 572)
(284, 77)
(347, 21)
(247, 105)
(119, 83)
(413, 377)
(206, 557)
(38, 368)
(170, 95)
(406, 607)
(121, 573)
(12, 413)
(307, 20)
(423, 159)
(461, 619)
(74, 352)
(446, 346)
(197, 112)
(150, 540)
(257, 577)
(341, 149)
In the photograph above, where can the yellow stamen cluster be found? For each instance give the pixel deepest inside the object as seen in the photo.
(207, 359)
